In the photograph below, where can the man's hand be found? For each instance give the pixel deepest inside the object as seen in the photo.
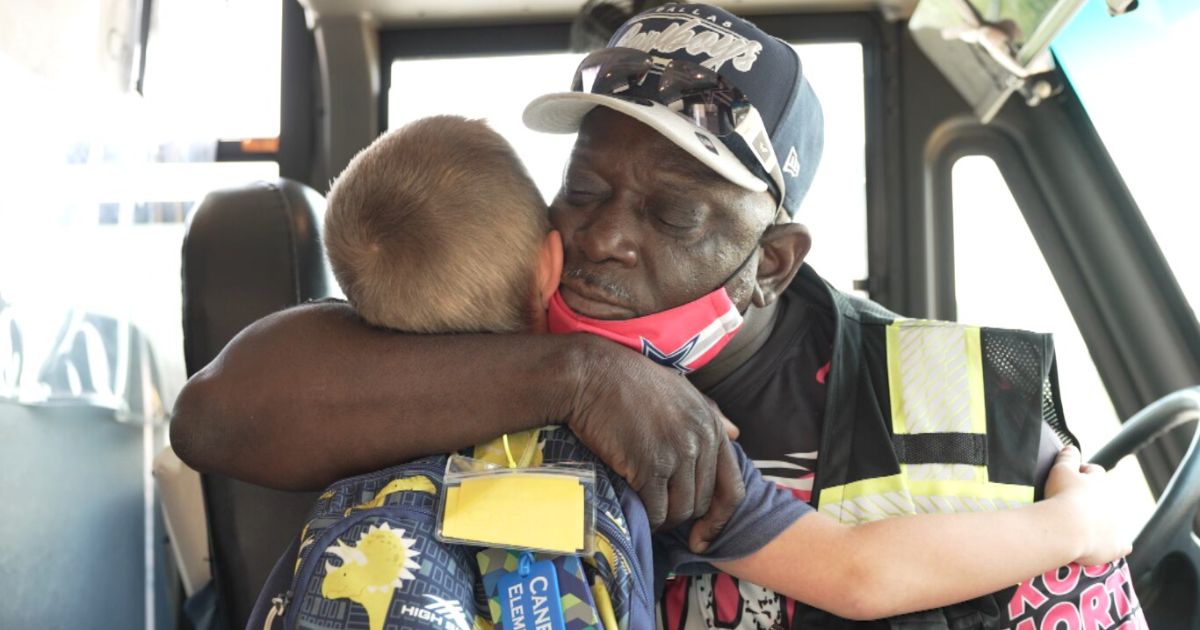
(731, 430)
(1084, 491)
(652, 427)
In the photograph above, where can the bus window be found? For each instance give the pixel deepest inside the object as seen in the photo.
(1001, 279)
(102, 164)
(1147, 118)
(488, 89)
(108, 174)
(834, 209)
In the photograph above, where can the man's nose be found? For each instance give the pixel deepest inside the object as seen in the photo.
(608, 235)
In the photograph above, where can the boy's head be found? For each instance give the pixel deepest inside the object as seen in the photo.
(436, 227)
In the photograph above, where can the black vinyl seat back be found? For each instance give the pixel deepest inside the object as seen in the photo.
(248, 252)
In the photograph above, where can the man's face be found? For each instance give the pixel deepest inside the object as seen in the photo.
(646, 227)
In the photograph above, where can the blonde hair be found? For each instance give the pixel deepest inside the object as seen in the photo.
(435, 228)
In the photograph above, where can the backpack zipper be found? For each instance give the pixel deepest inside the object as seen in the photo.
(608, 527)
(279, 604)
(420, 467)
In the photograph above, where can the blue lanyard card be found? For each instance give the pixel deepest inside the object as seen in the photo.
(529, 596)
(578, 605)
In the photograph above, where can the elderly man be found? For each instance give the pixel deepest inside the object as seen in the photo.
(698, 137)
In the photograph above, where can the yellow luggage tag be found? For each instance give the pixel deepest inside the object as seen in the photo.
(547, 508)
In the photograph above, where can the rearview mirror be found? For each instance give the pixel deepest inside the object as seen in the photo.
(987, 49)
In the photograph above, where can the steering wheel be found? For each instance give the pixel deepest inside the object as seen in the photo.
(1167, 544)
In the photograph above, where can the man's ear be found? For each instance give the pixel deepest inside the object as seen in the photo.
(549, 269)
(784, 247)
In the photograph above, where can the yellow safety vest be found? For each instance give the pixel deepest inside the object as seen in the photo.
(931, 417)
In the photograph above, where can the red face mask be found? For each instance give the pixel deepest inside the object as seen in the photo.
(685, 337)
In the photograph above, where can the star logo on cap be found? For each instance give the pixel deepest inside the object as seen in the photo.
(672, 360)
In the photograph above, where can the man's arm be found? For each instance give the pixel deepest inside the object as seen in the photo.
(912, 563)
(313, 394)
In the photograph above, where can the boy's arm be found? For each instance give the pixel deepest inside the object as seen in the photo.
(312, 394)
(912, 563)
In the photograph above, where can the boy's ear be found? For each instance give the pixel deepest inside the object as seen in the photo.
(549, 269)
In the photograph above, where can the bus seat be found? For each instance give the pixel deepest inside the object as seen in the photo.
(248, 252)
(182, 502)
(12, 358)
(102, 361)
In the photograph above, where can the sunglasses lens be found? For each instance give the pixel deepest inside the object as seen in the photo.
(612, 71)
(698, 94)
(691, 90)
(694, 92)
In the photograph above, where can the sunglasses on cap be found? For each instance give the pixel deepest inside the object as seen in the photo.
(698, 94)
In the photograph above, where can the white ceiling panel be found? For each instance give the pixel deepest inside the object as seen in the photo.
(441, 12)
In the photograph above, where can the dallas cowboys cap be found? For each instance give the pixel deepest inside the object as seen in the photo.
(766, 69)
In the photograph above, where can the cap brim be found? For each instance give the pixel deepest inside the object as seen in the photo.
(564, 112)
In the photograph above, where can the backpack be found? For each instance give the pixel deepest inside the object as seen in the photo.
(368, 557)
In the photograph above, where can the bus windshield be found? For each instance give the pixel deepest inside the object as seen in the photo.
(1134, 75)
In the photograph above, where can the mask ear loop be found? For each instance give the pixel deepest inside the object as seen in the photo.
(512, 463)
(741, 266)
(779, 214)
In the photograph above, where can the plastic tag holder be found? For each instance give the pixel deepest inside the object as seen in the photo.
(462, 471)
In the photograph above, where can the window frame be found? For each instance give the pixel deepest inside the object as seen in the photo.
(916, 126)
(868, 29)
(1122, 294)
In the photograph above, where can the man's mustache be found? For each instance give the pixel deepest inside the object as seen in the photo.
(611, 290)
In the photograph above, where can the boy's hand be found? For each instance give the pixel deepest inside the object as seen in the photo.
(1086, 496)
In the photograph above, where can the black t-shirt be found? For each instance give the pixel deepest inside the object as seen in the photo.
(777, 398)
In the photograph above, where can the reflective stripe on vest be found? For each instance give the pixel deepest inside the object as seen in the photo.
(939, 425)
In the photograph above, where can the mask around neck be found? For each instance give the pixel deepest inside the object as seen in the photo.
(684, 338)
